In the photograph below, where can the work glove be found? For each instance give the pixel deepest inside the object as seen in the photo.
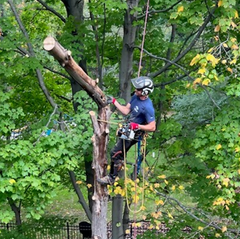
(134, 126)
(110, 100)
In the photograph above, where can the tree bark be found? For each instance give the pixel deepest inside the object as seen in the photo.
(100, 136)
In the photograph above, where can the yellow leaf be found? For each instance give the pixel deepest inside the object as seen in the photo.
(89, 185)
(224, 228)
(237, 149)
(136, 199)
(225, 181)
(79, 182)
(162, 176)
(188, 85)
(144, 217)
(224, 62)
(108, 167)
(118, 190)
(156, 185)
(234, 47)
(197, 81)
(210, 50)
(156, 214)
(202, 70)
(174, 187)
(236, 14)
(169, 215)
(238, 171)
(233, 61)
(233, 24)
(220, 3)
(219, 146)
(219, 201)
(143, 208)
(200, 228)
(166, 182)
(229, 69)
(195, 60)
(211, 176)
(127, 231)
(160, 202)
(12, 181)
(212, 59)
(217, 235)
(180, 9)
(206, 82)
(181, 187)
(225, 45)
(217, 28)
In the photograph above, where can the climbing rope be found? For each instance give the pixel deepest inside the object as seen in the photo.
(143, 39)
(126, 178)
(139, 70)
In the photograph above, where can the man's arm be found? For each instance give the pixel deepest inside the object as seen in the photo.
(123, 109)
(148, 127)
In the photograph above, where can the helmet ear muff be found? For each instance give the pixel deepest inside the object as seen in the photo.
(145, 92)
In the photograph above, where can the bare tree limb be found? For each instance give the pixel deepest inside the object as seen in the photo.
(187, 210)
(52, 10)
(200, 30)
(151, 12)
(166, 60)
(58, 73)
(31, 52)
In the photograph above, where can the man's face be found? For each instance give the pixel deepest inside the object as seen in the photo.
(138, 92)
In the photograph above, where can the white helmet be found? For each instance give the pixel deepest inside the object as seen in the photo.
(144, 83)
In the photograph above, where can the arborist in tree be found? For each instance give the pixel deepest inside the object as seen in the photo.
(141, 118)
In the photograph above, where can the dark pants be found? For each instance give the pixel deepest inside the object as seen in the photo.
(117, 155)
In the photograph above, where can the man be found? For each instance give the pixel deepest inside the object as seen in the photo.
(142, 118)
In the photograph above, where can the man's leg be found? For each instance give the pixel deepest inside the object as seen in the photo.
(117, 160)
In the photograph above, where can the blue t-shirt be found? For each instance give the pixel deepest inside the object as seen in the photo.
(141, 111)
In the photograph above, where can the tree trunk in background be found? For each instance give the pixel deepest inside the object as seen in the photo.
(117, 225)
(100, 137)
(75, 8)
(125, 74)
(129, 36)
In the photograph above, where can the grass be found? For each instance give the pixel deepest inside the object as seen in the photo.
(65, 205)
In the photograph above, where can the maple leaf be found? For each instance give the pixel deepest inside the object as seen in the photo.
(195, 60)
(12, 181)
(206, 82)
(180, 8)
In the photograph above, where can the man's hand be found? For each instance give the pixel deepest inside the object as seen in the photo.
(110, 100)
(134, 126)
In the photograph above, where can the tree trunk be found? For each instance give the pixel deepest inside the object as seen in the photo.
(16, 210)
(100, 137)
(127, 51)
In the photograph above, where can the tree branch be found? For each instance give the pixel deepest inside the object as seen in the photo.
(52, 10)
(31, 52)
(166, 60)
(187, 211)
(160, 11)
(200, 30)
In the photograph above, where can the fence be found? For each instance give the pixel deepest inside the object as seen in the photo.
(67, 231)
